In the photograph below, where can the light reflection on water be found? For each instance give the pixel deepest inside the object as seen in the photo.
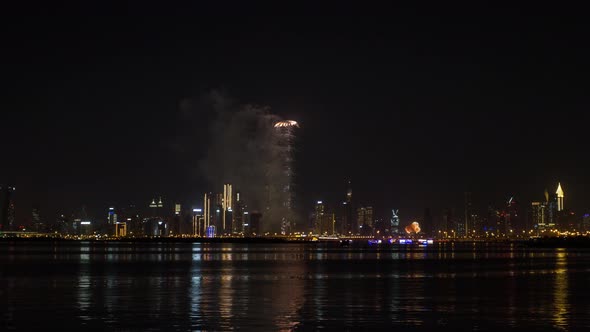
(283, 287)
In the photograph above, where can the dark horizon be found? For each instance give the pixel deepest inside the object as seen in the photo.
(415, 105)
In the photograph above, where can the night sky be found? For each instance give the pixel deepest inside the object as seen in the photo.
(416, 105)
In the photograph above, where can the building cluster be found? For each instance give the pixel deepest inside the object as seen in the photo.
(222, 214)
(349, 218)
(225, 213)
(548, 216)
(509, 220)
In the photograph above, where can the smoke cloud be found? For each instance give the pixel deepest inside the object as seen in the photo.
(244, 149)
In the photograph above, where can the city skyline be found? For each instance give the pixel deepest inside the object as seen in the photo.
(416, 108)
(360, 166)
(226, 213)
(225, 195)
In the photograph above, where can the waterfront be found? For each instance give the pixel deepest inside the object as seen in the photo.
(301, 286)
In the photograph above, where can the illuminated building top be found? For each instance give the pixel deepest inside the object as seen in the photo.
(286, 123)
(559, 191)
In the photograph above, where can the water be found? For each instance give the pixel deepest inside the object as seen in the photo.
(264, 287)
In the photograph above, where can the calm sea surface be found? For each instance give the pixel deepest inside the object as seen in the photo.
(265, 287)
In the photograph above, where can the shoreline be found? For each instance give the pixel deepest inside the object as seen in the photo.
(549, 242)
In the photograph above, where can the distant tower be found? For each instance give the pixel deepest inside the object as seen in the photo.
(512, 217)
(238, 214)
(394, 222)
(468, 214)
(349, 193)
(36, 218)
(156, 207)
(286, 135)
(318, 217)
(6, 208)
(226, 206)
(559, 194)
(365, 219)
(347, 220)
(207, 209)
(112, 216)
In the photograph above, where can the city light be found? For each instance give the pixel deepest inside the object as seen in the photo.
(287, 123)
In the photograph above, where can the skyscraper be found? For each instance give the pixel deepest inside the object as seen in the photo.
(365, 219)
(318, 217)
(394, 222)
(513, 217)
(238, 214)
(112, 216)
(560, 196)
(175, 222)
(286, 135)
(348, 217)
(157, 207)
(255, 223)
(468, 214)
(207, 209)
(539, 216)
(6, 215)
(226, 207)
(37, 225)
(586, 222)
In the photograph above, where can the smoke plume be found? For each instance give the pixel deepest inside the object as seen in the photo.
(243, 148)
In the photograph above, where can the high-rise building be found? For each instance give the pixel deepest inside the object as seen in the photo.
(207, 209)
(112, 216)
(324, 221)
(198, 228)
(539, 216)
(394, 227)
(348, 224)
(586, 222)
(157, 207)
(226, 207)
(286, 134)
(446, 222)
(328, 224)
(211, 231)
(38, 225)
(121, 229)
(513, 217)
(318, 217)
(217, 213)
(255, 223)
(552, 213)
(238, 214)
(559, 193)
(133, 220)
(6, 208)
(365, 219)
(176, 221)
(468, 215)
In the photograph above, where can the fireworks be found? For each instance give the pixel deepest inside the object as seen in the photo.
(286, 123)
(413, 228)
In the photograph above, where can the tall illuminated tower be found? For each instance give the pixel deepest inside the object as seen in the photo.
(207, 209)
(347, 220)
(286, 135)
(226, 206)
(318, 217)
(559, 194)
